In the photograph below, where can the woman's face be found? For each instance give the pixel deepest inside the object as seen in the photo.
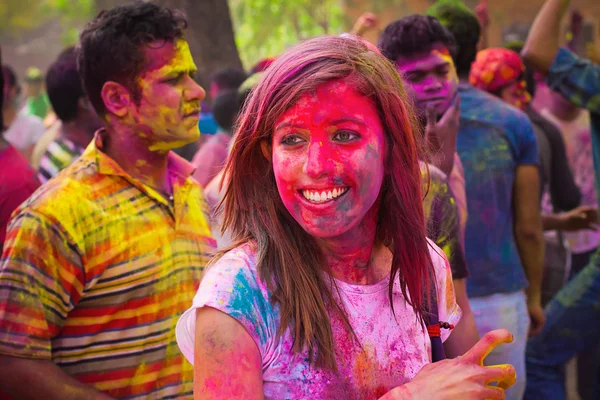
(328, 159)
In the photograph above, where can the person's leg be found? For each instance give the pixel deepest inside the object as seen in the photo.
(587, 361)
(572, 325)
(508, 311)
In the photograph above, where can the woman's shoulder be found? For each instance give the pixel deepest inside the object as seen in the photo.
(236, 270)
(238, 260)
(438, 258)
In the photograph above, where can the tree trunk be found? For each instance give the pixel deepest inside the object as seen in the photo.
(209, 34)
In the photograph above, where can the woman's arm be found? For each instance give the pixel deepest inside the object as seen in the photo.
(227, 361)
(464, 335)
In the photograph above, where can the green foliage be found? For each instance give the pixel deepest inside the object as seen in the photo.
(265, 28)
(18, 16)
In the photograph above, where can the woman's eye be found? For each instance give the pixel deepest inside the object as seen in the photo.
(345, 136)
(291, 140)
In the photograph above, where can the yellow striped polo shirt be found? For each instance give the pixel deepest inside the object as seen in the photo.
(96, 270)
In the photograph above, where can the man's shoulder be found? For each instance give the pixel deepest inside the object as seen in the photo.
(71, 189)
(482, 106)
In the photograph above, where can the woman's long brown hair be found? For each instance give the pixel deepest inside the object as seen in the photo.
(288, 258)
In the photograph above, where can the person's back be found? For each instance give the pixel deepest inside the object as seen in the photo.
(494, 138)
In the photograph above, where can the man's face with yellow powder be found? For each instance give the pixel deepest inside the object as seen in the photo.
(168, 111)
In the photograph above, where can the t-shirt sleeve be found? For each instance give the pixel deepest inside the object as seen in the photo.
(577, 79)
(41, 280)
(232, 286)
(36, 130)
(448, 309)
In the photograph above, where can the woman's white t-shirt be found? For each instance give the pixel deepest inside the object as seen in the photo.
(393, 349)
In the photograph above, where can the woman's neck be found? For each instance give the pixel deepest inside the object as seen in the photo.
(351, 257)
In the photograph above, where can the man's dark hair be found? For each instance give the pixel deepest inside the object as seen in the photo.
(111, 47)
(228, 78)
(64, 87)
(226, 108)
(412, 35)
(463, 24)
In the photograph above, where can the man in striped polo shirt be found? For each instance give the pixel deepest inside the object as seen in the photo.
(100, 262)
(78, 119)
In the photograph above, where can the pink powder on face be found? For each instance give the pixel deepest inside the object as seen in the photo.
(329, 141)
(430, 78)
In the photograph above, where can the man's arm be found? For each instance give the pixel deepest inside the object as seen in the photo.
(529, 238)
(28, 379)
(543, 40)
(41, 278)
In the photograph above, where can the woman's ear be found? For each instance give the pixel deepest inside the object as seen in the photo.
(265, 147)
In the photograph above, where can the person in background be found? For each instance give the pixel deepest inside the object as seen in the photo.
(103, 259)
(226, 79)
(574, 124)
(78, 119)
(502, 73)
(36, 98)
(261, 65)
(210, 159)
(17, 180)
(504, 241)
(23, 130)
(415, 45)
(52, 125)
(573, 323)
(214, 190)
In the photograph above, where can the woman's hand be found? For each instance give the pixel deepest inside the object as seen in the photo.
(463, 377)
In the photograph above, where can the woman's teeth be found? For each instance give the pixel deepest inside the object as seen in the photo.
(323, 196)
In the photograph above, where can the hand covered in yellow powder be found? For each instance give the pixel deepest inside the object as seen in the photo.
(463, 377)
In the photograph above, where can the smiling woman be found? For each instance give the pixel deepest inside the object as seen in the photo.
(324, 292)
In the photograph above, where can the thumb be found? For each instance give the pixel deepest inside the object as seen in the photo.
(486, 344)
